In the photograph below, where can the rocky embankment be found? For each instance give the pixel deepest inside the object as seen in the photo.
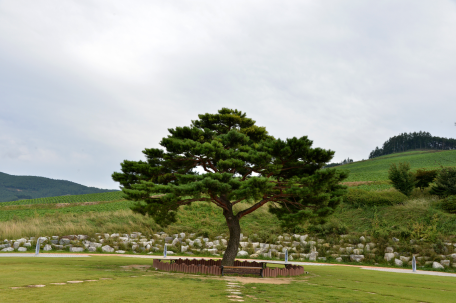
(345, 248)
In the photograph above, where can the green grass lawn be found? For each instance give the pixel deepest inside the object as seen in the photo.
(322, 284)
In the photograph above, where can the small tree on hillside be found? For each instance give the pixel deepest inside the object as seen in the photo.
(240, 162)
(402, 178)
(424, 178)
(445, 182)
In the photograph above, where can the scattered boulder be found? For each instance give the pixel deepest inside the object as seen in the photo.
(76, 249)
(437, 265)
(445, 263)
(357, 258)
(107, 248)
(389, 256)
(212, 251)
(64, 241)
(404, 259)
(47, 247)
(398, 262)
(242, 253)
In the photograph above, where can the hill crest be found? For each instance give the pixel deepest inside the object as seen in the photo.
(14, 188)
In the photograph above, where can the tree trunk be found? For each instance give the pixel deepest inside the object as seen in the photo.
(235, 234)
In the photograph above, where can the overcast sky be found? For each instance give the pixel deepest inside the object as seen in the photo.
(86, 84)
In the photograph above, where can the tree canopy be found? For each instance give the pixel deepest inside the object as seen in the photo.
(224, 158)
(410, 141)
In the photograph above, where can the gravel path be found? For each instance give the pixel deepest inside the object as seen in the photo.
(45, 255)
(409, 271)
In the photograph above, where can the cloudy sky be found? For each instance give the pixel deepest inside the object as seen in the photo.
(86, 84)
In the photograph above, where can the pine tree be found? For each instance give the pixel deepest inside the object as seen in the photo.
(238, 161)
(402, 178)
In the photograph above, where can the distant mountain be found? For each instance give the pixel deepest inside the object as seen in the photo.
(14, 188)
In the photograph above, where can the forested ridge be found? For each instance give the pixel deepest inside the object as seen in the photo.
(411, 141)
(14, 188)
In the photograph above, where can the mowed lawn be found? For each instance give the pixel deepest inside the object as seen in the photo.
(116, 282)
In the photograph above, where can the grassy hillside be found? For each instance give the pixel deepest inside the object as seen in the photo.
(377, 169)
(420, 216)
(109, 212)
(13, 188)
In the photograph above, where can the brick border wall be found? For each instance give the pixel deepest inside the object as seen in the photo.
(213, 267)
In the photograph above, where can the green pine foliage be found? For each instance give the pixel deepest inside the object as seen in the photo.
(449, 204)
(445, 182)
(402, 178)
(424, 178)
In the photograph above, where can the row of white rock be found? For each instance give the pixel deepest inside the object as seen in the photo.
(189, 243)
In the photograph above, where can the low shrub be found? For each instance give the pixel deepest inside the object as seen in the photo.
(332, 227)
(359, 197)
(449, 204)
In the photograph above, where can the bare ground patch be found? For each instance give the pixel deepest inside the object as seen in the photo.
(135, 266)
(246, 280)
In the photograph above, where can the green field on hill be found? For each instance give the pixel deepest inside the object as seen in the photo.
(377, 169)
(109, 212)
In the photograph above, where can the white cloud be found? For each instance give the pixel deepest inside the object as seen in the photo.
(92, 83)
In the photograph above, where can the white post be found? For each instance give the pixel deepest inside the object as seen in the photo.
(414, 264)
(286, 256)
(37, 249)
(165, 251)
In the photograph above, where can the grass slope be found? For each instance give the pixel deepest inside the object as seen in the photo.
(377, 169)
(81, 217)
(14, 188)
(419, 217)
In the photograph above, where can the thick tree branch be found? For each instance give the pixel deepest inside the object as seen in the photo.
(218, 202)
(252, 208)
